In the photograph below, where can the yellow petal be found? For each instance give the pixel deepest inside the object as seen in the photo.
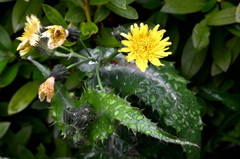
(142, 64)
(125, 49)
(155, 61)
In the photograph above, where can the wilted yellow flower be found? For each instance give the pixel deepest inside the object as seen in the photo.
(56, 34)
(30, 36)
(47, 89)
(145, 45)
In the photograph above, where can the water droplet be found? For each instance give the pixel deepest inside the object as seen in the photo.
(174, 116)
(152, 90)
(153, 98)
(158, 85)
(144, 99)
(133, 127)
(141, 90)
(183, 120)
(165, 102)
(186, 113)
(116, 113)
(168, 85)
(116, 77)
(175, 86)
(156, 74)
(170, 77)
(145, 82)
(168, 121)
(124, 83)
(191, 115)
(177, 141)
(193, 131)
(142, 126)
(104, 94)
(168, 112)
(173, 96)
(112, 101)
(148, 132)
(140, 117)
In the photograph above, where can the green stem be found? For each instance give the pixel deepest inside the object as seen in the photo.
(98, 77)
(89, 54)
(111, 57)
(69, 50)
(77, 55)
(86, 9)
(65, 48)
(78, 63)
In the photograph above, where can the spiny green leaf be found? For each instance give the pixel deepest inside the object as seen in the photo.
(113, 107)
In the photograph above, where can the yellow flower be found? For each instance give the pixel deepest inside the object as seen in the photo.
(56, 34)
(30, 36)
(145, 45)
(47, 89)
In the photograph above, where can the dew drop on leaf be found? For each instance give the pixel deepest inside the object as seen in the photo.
(148, 132)
(168, 121)
(116, 112)
(168, 112)
(166, 102)
(174, 116)
(144, 99)
(112, 101)
(140, 117)
(145, 82)
(152, 90)
(153, 98)
(141, 90)
(175, 86)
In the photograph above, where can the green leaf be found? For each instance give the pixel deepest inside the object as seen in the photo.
(234, 45)
(3, 128)
(98, 2)
(62, 149)
(89, 28)
(111, 107)
(129, 12)
(232, 101)
(215, 70)
(75, 15)
(209, 5)
(152, 4)
(23, 97)
(223, 17)
(159, 18)
(22, 136)
(192, 61)
(166, 92)
(119, 3)
(221, 55)
(200, 35)
(24, 153)
(74, 79)
(233, 30)
(183, 7)
(173, 34)
(3, 63)
(8, 75)
(101, 14)
(54, 16)
(237, 15)
(21, 9)
(5, 40)
(78, 3)
(3, 109)
(108, 42)
(41, 154)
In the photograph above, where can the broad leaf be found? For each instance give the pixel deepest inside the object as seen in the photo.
(21, 9)
(22, 136)
(24, 153)
(101, 13)
(215, 70)
(237, 15)
(54, 16)
(234, 45)
(209, 5)
(129, 12)
(223, 17)
(75, 15)
(98, 2)
(8, 75)
(159, 18)
(183, 7)
(119, 3)
(3, 128)
(173, 34)
(23, 97)
(200, 35)
(89, 28)
(221, 54)
(192, 61)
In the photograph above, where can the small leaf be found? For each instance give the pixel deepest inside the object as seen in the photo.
(221, 55)
(89, 28)
(233, 30)
(237, 14)
(159, 18)
(209, 5)
(215, 70)
(98, 2)
(5, 40)
(3, 63)
(23, 97)
(129, 12)
(8, 75)
(200, 35)
(75, 15)
(192, 61)
(101, 14)
(41, 154)
(54, 16)
(22, 136)
(3, 128)
(223, 17)
(234, 45)
(24, 153)
(183, 7)
(21, 9)
(119, 3)
(74, 79)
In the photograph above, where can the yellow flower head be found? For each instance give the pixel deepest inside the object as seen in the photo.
(47, 89)
(56, 34)
(145, 45)
(30, 36)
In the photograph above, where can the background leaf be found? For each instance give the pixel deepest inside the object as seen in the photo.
(21, 9)
(119, 3)
(98, 2)
(8, 75)
(23, 97)
(101, 14)
(3, 128)
(75, 15)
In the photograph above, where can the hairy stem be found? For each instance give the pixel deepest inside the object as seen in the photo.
(98, 77)
(78, 63)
